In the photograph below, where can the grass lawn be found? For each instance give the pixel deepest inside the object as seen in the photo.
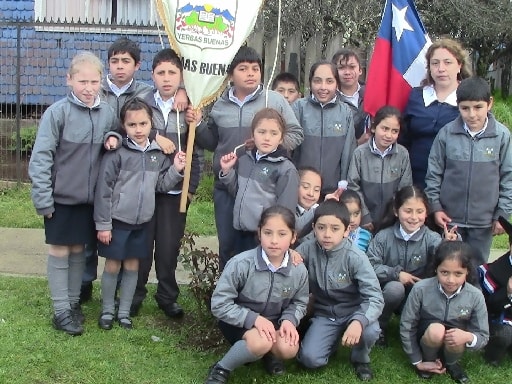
(158, 350)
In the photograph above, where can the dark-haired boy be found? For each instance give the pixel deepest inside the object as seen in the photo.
(352, 92)
(287, 85)
(229, 127)
(347, 296)
(469, 174)
(168, 224)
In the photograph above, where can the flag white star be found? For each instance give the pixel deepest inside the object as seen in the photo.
(399, 22)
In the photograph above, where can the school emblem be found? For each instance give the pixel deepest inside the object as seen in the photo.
(153, 159)
(489, 152)
(464, 313)
(417, 259)
(342, 278)
(265, 171)
(286, 292)
(210, 25)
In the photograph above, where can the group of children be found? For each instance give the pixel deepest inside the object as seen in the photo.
(277, 170)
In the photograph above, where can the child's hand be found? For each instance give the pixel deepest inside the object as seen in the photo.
(451, 234)
(431, 366)
(180, 100)
(180, 159)
(193, 115)
(265, 328)
(352, 334)
(407, 279)
(49, 216)
(111, 143)
(334, 196)
(497, 228)
(456, 337)
(296, 257)
(442, 219)
(289, 333)
(509, 286)
(227, 162)
(105, 237)
(165, 144)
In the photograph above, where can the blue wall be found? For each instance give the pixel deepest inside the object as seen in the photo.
(45, 55)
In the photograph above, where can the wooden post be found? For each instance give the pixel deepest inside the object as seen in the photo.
(188, 166)
(313, 52)
(292, 55)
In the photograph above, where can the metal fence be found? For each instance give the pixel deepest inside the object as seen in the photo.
(34, 58)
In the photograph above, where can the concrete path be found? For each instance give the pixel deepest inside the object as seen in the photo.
(23, 252)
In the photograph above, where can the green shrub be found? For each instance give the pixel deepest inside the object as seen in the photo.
(28, 138)
(203, 265)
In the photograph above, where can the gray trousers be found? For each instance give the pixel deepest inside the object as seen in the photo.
(323, 338)
(480, 239)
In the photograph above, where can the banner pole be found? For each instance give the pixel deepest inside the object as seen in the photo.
(188, 166)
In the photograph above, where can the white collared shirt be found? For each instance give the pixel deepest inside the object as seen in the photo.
(284, 263)
(407, 236)
(164, 105)
(354, 99)
(142, 148)
(378, 151)
(333, 100)
(474, 134)
(97, 101)
(114, 88)
(236, 100)
(430, 95)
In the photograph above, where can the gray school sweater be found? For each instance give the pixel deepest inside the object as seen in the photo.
(377, 178)
(66, 157)
(247, 288)
(342, 281)
(470, 179)
(390, 254)
(127, 183)
(329, 139)
(259, 184)
(229, 125)
(426, 303)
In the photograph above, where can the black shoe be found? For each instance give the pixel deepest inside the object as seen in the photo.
(382, 341)
(77, 314)
(106, 320)
(423, 374)
(65, 322)
(217, 375)
(85, 292)
(457, 373)
(134, 309)
(363, 371)
(172, 310)
(273, 365)
(125, 322)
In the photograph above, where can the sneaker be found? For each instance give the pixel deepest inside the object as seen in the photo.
(77, 314)
(273, 365)
(217, 375)
(457, 373)
(85, 292)
(363, 371)
(66, 323)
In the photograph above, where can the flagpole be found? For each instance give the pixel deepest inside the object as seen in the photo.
(188, 165)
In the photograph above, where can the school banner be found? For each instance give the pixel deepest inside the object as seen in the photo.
(207, 35)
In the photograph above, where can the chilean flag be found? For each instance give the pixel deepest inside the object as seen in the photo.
(398, 61)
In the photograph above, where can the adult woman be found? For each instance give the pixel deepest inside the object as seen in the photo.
(434, 104)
